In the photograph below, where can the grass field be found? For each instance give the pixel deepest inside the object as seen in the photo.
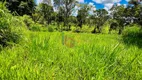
(71, 56)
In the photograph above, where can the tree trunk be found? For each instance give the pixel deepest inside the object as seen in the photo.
(120, 31)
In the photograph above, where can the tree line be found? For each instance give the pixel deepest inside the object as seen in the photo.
(62, 12)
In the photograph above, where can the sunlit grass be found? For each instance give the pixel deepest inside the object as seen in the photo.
(50, 56)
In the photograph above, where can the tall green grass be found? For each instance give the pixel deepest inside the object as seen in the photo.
(43, 56)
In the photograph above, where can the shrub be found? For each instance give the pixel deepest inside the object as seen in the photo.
(31, 25)
(50, 28)
(27, 20)
(37, 27)
(131, 31)
(133, 36)
(9, 33)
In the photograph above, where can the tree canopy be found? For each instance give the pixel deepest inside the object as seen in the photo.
(21, 6)
(62, 12)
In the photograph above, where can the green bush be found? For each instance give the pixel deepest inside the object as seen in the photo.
(131, 31)
(9, 33)
(27, 21)
(31, 25)
(37, 27)
(133, 36)
(50, 28)
(87, 29)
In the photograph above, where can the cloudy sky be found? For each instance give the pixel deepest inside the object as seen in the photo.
(106, 4)
(99, 4)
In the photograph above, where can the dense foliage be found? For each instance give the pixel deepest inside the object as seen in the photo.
(62, 14)
(21, 7)
(9, 29)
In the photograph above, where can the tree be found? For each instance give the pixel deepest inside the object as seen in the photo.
(66, 8)
(134, 2)
(46, 11)
(100, 17)
(129, 15)
(82, 14)
(21, 6)
(136, 10)
(60, 17)
(121, 15)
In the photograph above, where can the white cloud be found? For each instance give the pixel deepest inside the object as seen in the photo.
(108, 6)
(107, 3)
(118, 4)
(98, 1)
(125, 5)
(75, 11)
(92, 7)
(91, 3)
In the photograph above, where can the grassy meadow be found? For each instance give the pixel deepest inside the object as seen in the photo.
(40, 41)
(71, 56)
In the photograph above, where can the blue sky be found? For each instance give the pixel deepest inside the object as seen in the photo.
(99, 4)
(107, 4)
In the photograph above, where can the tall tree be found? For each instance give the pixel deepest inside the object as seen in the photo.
(129, 15)
(66, 7)
(21, 6)
(121, 15)
(100, 17)
(82, 14)
(45, 12)
(136, 10)
(135, 2)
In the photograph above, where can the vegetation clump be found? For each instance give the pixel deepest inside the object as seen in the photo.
(8, 31)
(133, 36)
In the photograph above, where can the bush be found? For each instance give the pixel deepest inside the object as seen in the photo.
(86, 29)
(105, 28)
(50, 28)
(133, 36)
(8, 32)
(31, 25)
(131, 31)
(27, 20)
(37, 27)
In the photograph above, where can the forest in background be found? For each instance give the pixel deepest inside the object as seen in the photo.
(60, 17)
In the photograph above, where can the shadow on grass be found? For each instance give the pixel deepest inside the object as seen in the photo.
(133, 39)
